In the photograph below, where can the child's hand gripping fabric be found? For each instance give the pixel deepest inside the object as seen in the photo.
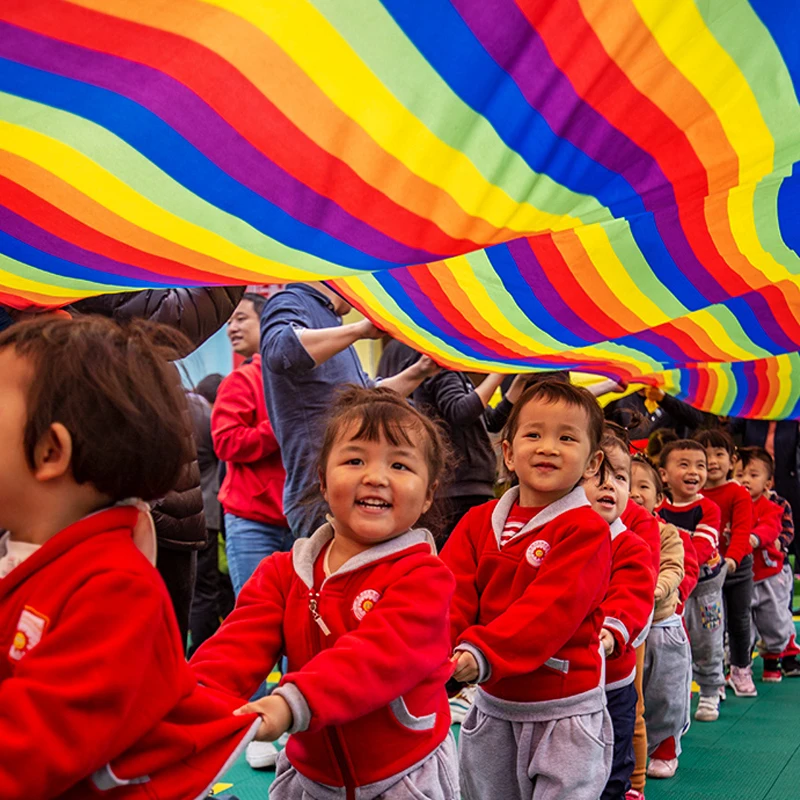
(276, 717)
(467, 669)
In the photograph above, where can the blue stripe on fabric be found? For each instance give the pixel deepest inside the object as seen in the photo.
(515, 284)
(491, 92)
(25, 253)
(751, 325)
(742, 388)
(170, 152)
(782, 19)
(789, 207)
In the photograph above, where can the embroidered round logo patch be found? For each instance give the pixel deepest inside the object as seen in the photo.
(536, 552)
(365, 602)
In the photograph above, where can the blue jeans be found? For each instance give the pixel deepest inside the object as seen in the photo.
(247, 543)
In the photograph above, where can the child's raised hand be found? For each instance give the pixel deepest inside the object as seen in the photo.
(607, 640)
(276, 717)
(467, 669)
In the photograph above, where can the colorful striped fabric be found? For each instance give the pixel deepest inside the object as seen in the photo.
(604, 185)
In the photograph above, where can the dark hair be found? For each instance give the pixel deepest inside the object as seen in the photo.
(614, 437)
(679, 444)
(382, 412)
(555, 391)
(748, 454)
(716, 438)
(658, 440)
(112, 388)
(258, 301)
(642, 459)
(209, 386)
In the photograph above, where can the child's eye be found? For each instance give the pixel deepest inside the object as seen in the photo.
(532, 435)
(354, 462)
(398, 465)
(567, 438)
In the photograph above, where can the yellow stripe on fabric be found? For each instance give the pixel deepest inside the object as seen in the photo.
(706, 319)
(336, 68)
(682, 34)
(104, 188)
(482, 302)
(18, 282)
(784, 380)
(595, 241)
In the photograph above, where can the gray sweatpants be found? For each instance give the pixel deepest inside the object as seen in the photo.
(433, 778)
(771, 616)
(706, 624)
(546, 759)
(667, 683)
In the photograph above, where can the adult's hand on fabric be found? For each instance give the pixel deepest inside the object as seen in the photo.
(276, 717)
(654, 393)
(427, 367)
(517, 388)
(467, 669)
(367, 330)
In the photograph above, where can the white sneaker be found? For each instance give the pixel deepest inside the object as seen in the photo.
(260, 755)
(707, 709)
(461, 703)
(723, 695)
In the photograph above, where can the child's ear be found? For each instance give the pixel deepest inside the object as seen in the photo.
(508, 455)
(52, 455)
(663, 473)
(593, 464)
(322, 490)
(770, 483)
(429, 497)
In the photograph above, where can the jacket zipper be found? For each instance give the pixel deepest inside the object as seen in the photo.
(332, 732)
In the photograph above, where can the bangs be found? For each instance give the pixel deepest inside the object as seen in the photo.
(382, 420)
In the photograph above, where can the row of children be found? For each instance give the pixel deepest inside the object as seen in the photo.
(541, 598)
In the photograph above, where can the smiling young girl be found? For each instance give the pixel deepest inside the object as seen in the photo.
(531, 572)
(360, 609)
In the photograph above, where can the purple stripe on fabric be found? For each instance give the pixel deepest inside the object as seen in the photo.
(766, 317)
(200, 125)
(751, 378)
(532, 273)
(664, 343)
(427, 309)
(516, 46)
(25, 231)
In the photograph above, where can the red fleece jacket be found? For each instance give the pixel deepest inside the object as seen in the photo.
(645, 526)
(691, 570)
(94, 687)
(736, 519)
(532, 609)
(628, 604)
(243, 437)
(368, 652)
(768, 557)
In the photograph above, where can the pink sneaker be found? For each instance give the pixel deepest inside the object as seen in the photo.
(634, 794)
(660, 768)
(741, 681)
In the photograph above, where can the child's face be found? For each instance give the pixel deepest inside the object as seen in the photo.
(375, 490)
(551, 451)
(738, 471)
(15, 473)
(718, 460)
(755, 478)
(685, 474)
(610, 496)
(643, 487)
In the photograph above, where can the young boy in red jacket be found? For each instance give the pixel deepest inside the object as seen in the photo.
(771, 591)
(736, 518)
(360, 609)
(627, 606)
(684, 469)
(95, 693)
(531, 572)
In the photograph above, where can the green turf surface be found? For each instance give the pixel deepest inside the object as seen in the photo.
(752, 752)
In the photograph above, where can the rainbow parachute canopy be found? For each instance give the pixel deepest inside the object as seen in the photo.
(604, 185)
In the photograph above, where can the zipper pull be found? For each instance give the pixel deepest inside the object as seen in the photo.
(312, 605)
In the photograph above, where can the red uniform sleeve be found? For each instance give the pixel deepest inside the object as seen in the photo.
(110, 668)
(629, 600)
(705, 536)
(645, 526)
(569, 585)
(768, 522)
(239, 656)
(238, 435)
(691, 566)
(461, 556)
(401, 641)
(741, 525)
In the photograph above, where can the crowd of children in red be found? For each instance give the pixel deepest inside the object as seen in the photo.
(584, 599)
